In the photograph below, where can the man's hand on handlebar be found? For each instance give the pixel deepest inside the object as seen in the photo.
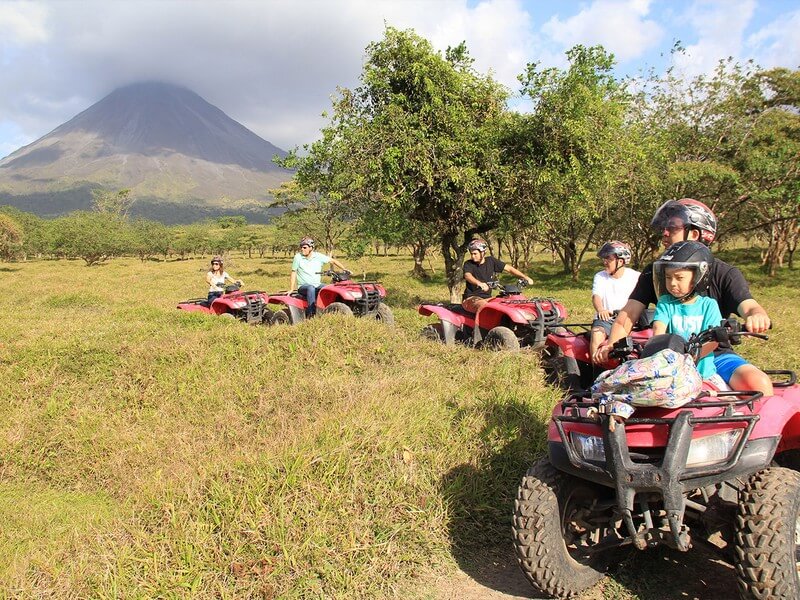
(757, 323)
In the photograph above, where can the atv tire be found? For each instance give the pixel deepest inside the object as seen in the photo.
(339, 308)
(560, 370)
(768, 535)
(229, 316)
(384, 315)
(549, 552)
(281, 317)
(433, 333)
(501, 338)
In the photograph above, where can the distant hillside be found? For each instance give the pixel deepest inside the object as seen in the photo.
(182, 157)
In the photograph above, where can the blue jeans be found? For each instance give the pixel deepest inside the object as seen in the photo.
(310, 293)
(211, 297)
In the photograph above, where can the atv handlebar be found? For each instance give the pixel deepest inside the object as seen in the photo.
(509, 288)
(336, 276)
(729, 331)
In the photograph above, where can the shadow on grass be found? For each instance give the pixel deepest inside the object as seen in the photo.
(8, 270)
(481, 499)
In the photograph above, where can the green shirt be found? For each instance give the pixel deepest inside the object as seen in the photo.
(308, 269)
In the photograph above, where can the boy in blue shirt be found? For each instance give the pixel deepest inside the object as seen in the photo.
(306, 268)
(680, 276)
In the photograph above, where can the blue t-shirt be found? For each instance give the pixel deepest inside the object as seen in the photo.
(308, 269)
(686, 319)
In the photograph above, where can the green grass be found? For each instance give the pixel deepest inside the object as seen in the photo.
(146, 452)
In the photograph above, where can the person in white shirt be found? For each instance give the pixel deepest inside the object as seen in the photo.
(610, 289)
(216, 279)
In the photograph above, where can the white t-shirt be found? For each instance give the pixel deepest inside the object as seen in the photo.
(218, 281)
(614, 292)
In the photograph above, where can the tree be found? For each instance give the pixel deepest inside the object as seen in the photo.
(312, 203)
(92, 236)
(566, 153)
(149, 238)
(113, 203)
(416, 142)
(10, 237)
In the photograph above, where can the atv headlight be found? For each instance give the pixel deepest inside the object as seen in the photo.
(712, 448)
(589, 447)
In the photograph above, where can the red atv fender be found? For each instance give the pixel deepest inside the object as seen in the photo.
(226, 303)
(778, 418)
(576, 345)
(446, 315)
(295, 306)
(347, 292)
(517, 309)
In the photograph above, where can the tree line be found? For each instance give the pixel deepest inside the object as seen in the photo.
(426, 152)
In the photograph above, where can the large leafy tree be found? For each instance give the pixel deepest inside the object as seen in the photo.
(566, 153)
(417, 142)
(733, 143)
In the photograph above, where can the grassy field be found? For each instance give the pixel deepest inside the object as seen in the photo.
(146, 452)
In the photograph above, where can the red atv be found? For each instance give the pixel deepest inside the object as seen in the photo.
(566, 360)
(672, 477)
(508, 322)
(343, 296)
(249, 307)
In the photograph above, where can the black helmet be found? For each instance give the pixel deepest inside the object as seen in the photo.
(690, 255)
(307, 241)
(614, 248)
(691, 213)
(478, 244)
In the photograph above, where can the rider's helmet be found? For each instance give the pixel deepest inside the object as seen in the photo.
(217, 259)
(692, 214)
(479, 245)
(307, 241)
(691, 255)
(615, 248)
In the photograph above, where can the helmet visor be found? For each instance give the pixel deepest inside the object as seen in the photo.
(670, 215)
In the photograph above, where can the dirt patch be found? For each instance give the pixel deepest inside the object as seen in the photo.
(659, 574)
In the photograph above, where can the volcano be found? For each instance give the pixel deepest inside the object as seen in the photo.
(182, 158)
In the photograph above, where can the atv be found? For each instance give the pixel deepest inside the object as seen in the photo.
(712, 472)
(249, 307)
(565, 357)
(509, 321)
(343, 296)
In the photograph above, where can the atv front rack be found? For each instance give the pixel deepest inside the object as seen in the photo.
(367, 305)
(665, 474)
(545, 321)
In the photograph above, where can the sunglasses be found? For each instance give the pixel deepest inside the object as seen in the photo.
(305, 246)
(673, 228)
(216, 263)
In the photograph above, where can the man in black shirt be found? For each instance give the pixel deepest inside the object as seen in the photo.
(481, 269)
(689, 219)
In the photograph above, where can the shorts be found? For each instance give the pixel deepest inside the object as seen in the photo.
(604, 325)
(727, 363)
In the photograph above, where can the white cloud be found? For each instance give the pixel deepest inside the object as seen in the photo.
(720, 26)
(778, 44)
(272, 64)
(22, 23)
(620, 26)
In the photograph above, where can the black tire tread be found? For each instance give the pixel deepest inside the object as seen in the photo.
(501, 338)
(764, 535)
(538, 540)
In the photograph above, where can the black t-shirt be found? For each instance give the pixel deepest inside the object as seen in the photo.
(484, 273)
(727, 286)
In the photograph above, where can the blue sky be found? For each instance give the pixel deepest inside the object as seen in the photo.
(273, 64)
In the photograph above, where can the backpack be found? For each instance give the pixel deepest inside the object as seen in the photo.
(667, 379)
